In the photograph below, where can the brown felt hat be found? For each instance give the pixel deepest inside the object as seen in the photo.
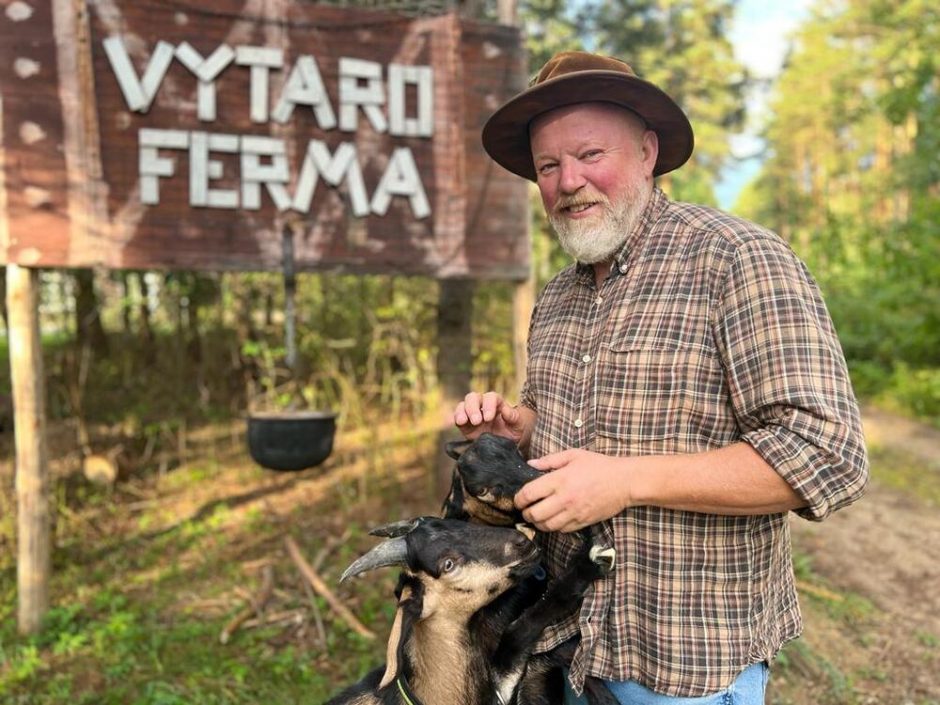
(572, 77)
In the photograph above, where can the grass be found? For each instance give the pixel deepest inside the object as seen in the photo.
(903, 471)
(143, 588)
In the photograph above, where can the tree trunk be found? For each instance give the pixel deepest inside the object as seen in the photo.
(88, 327)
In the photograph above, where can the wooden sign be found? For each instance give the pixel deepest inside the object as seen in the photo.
(171, 135)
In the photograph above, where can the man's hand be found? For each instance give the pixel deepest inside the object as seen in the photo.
(579, 488)
(481, 413)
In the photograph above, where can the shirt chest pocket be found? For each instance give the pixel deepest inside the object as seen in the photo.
(640, 389)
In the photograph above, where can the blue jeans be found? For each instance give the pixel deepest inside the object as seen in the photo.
(747, 689)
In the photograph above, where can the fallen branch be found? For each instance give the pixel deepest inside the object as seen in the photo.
(317, 617)
(328, 547)
(817, 591)
(316, 582)
(254, 608)
(267, 620)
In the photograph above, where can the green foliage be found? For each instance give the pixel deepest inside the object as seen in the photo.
(682, 46)
(852, 184)
(552, 26)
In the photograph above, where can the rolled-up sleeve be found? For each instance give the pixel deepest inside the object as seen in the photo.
(789, 383)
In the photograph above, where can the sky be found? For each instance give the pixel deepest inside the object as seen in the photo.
(759, 35)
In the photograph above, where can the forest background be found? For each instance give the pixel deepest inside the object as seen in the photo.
(158, 369)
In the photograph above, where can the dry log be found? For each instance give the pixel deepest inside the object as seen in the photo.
(316, 582)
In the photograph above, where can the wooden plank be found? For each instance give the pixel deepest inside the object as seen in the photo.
(34, 526)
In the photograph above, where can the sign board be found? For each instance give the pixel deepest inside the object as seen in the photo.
(187, 135)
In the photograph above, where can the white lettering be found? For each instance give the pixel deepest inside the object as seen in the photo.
(261, 60)
(206, 71)
(202, 169)
(263, 162)
(398, 121)
(305, 87)
(138, 93)
(401, 179)
(152, 165)
(360, 85)
(273, 174)
(334, 169)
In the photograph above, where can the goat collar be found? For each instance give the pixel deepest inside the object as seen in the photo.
(407, 694)
(409, 697)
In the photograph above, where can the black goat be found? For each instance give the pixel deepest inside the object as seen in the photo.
(490, 470)
(466, 621)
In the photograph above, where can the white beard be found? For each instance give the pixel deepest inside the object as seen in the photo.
(590, 241)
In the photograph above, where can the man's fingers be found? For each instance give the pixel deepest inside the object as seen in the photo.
(489, 405)
(468, 411)
(535, 491)
(552, 461)
(510, 414)
(541, 511)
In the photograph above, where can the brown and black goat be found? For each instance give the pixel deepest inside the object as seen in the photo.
(465, 624)
(490, 471)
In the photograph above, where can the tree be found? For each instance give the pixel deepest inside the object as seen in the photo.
(682, 46)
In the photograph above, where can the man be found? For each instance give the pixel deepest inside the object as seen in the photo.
(685, 391)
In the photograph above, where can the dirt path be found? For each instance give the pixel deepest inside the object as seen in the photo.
(886, 548)
(883, 428)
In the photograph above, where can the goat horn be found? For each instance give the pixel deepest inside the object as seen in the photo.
(391, 552)
(396, 528)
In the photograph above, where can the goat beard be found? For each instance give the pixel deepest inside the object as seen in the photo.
(589, 241)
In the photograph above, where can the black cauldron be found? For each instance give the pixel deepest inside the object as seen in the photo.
(291, 440)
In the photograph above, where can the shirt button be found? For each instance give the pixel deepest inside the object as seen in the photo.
(578, 423)
(623, 269)
(586, 358)
(599, 300)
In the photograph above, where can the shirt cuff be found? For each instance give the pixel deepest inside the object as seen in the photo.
(827, 479)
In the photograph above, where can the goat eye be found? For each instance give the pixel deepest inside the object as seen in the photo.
(448, 565)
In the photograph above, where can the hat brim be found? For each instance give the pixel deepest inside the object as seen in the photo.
(506, 134)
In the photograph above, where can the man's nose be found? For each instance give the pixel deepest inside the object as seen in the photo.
(571, 177)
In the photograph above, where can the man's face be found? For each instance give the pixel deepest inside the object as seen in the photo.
(594, 163)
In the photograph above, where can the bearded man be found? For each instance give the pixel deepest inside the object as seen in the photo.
(685, 392)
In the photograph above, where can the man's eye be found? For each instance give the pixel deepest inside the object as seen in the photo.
(546, 168)
(591, 154)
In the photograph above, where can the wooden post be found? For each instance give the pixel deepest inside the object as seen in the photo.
(454, 363)
(34, 526)
(523, 300)
(523, 295)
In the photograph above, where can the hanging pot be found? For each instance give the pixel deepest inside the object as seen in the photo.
(291, 440)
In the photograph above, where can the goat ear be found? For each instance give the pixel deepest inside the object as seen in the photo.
(409, 609)
(456, 448)
(453, 507)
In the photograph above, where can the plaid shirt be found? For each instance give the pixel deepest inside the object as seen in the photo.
(708, 331)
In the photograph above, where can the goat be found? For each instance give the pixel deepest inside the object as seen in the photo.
(465, 624)
(490, 470)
